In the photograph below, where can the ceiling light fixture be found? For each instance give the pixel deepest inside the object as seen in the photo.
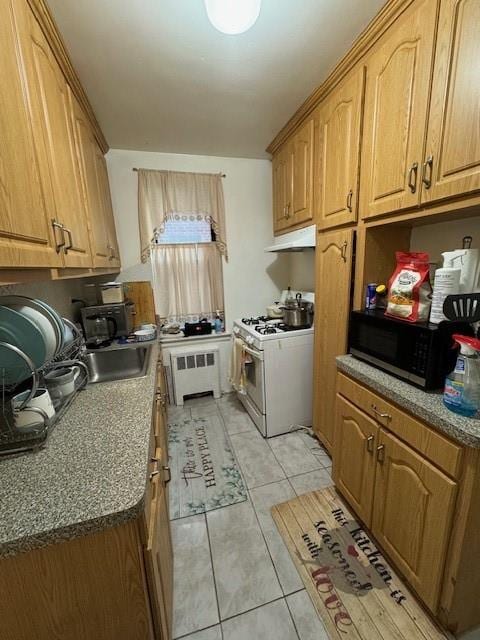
(233, 16)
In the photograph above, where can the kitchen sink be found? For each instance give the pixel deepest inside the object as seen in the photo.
(118, 363)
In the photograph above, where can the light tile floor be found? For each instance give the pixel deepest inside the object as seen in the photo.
(234, 578)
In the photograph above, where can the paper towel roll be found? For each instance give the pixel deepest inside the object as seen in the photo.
(446, 282)
(468, 261)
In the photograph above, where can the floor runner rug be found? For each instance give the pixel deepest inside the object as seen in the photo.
(205, 474)
(355, 591)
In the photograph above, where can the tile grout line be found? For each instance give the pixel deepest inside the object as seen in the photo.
(213, 573)
(292, 618)
(266, 544)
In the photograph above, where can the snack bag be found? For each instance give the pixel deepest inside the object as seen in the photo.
(409, 290)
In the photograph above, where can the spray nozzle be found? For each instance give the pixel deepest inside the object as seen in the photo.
(468, 345)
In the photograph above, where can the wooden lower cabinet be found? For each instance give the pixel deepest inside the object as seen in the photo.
(412, 514)
(333, 271)
(418, 493)
(355, 446)
(116, 584)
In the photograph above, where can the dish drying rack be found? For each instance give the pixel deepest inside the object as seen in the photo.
(13, 440)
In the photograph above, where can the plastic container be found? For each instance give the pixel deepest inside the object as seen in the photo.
(445, 283)
(112, 292)
(462, 385)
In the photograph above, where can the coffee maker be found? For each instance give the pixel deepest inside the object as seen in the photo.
(103, 323)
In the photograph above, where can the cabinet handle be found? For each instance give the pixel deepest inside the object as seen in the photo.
(381, 453)
(369, 442)
(169, 474)
(154, 473)
(70, 240)
(58, 225)
(110, 248)
(349, 200)
(412, 177)
(343, 251)
(379, 413)
(427, 172)
(287, 215)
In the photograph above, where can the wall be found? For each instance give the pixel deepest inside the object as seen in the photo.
(301, 271)
(252, 278)
(444, 236)
(56, 293)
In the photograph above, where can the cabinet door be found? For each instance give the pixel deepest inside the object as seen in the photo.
(87, 150)
(26, 232)
(281, 189)
(353, 458)
(453, 142)
(332, 286)
(300, 206)
(339, 152)
(114, 254)
(396, 101)
(52, 109)
(159, 565)
(412, 515)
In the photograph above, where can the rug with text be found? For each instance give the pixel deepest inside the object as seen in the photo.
(354, 589)
(205, 474)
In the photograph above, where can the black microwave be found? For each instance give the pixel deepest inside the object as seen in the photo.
(419, 353)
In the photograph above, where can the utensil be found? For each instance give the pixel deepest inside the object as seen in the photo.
(143, 335)
(37, 314)
(20, 331)
(97, 329)
(61, 383)
(298, 314)
(39, 405)
(464, 307)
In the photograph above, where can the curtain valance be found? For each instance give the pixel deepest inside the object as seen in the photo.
(162, 194)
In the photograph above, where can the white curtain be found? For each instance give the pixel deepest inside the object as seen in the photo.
(187, 281)
(162, 194)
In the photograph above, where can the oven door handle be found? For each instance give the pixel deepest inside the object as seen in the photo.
(253, 352)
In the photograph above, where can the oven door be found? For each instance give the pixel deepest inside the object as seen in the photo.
(255, 378)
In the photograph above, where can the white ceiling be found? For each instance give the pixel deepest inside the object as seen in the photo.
(161, 78)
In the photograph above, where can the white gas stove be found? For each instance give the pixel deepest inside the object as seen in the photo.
(279, 374)
(255, 330)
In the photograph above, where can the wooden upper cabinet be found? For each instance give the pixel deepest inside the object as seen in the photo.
(281, 173)
(114, 254)
(51, 113)
(354, 459)
(338, 157)
(300, 204)
(87, 150)
(412, 515)
(452, 158)
(26, 232)
(333, 271)
(396, 102)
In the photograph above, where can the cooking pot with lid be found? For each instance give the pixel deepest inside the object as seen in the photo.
(298, 313)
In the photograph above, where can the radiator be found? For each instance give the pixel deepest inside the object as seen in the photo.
(194, 371)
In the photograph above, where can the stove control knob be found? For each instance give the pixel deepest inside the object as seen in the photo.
(249, 339)
(236, 330)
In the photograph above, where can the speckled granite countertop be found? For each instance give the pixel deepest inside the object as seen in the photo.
(92, 473)
(426, 406)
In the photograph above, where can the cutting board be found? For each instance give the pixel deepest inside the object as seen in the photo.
(141, 294)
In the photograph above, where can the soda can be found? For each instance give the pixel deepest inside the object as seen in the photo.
(371, 296)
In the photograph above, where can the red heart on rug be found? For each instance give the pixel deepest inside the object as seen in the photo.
(352, 551)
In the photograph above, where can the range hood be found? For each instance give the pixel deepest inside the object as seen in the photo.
(295, 240)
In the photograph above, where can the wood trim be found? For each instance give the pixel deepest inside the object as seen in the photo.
(45, 19)
(377, 27)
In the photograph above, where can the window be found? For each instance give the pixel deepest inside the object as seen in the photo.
(185, 229)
